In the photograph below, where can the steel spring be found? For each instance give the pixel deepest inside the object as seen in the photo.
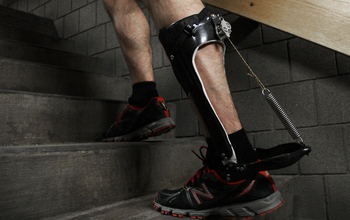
(281, 114)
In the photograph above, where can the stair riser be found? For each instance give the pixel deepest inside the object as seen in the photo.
(33, 23)
(46, 56)
(16, 14)
(30, 119)
(30, 77)
(30, 37)
(48, 181)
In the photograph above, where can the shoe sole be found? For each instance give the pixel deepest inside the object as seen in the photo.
(155, 128)
(246, 210)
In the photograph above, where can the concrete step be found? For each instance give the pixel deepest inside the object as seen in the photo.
(35, 38)
(44, 181)
(31, 118)
(32, 77)
(141, 208)
(30, 53)
(27, 21)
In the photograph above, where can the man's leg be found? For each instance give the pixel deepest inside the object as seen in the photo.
(133, 32)
(209, 62)
(209, 192)
(167, 12)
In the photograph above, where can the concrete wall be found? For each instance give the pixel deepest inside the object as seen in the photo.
(310, 81)
(7, 2)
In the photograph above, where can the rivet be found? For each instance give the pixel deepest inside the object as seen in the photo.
(172, 57)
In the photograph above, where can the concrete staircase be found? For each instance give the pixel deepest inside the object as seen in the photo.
(48, 93)
(142, 208)
(102, 180)
(54, 104)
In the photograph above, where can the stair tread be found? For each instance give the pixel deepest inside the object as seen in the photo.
(21, 51)
(35, 77)
(36, 118)
(142, 208)
(85, 146)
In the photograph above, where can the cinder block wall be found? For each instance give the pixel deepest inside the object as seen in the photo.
(311, 82)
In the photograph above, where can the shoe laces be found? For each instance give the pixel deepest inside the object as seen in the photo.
(205, 169)
(120, 117)
(125, 110)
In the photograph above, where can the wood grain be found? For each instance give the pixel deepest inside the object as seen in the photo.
(325, 22)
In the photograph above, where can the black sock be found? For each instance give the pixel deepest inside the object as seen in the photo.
(142, 93)
(245, 152)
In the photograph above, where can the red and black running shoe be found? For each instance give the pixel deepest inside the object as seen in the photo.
(140, 123)
(206, 193)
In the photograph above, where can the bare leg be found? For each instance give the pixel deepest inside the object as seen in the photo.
(215, 82)
(133, 32)
(134, 35)
(211, 70)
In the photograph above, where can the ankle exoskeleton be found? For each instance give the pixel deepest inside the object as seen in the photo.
(181, 41)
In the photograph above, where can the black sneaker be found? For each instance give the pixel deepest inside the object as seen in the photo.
(140, 123)
(206, 193)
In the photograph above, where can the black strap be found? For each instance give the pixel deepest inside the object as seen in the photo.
(202, 14)
(189, 27)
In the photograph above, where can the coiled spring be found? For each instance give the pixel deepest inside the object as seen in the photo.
(281, 114)
(276, 107)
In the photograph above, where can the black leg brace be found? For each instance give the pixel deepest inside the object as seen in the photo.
(181, 41)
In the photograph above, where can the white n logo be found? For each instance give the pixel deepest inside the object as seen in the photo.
(197, 193)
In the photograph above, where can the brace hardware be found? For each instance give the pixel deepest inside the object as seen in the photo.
(277, 157)
(272, 101)
(222, 27)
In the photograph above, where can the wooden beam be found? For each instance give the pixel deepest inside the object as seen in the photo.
(325, 22)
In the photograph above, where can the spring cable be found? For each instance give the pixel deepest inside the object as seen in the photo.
(276, 107)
